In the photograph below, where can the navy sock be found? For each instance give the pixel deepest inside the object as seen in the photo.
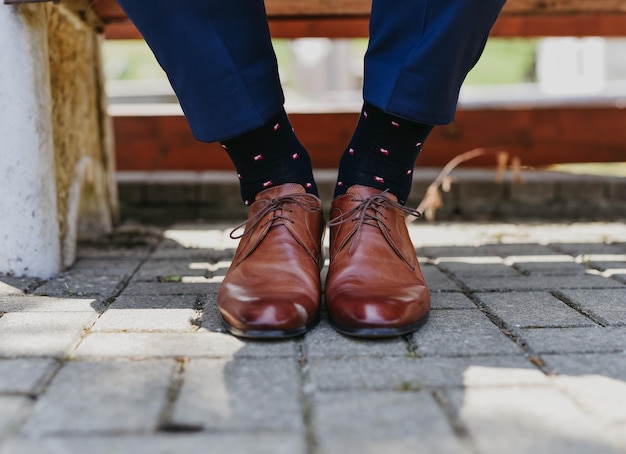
(270, 156)
(382, 153)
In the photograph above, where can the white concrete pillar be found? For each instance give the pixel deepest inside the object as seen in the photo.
(29, 229)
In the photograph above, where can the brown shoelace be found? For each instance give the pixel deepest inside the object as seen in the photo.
(278, 209)
(370, 212)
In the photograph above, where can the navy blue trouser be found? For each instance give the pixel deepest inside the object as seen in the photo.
(220, 61)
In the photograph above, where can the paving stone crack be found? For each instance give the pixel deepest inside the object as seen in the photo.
(588, 314)
(166, 423)
(307, 402)
(458, 427)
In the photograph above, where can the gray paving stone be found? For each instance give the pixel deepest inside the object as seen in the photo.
(395, 373)
(613, 269)
(588, 247)
(150, 313)
(90, 277)
(49, 304)
(607, 365)
(158, 270)
(24, 376)
(461, 250)
(9, 289)
(602, 398)
(450, 300)
(98, 266)
(532, 310)
(477, 266)
(620, 277)
(529, 283)
(78, 284)
(232, 443)
(609, 306)
(105, 251)
(171, 288)
(514, 247)
(92, 397)
(42, 333)
(126, 241)
(323, 341)
(575, 340)
(13, 410)
(608, 263)
(438, 281)
(536, 268)
(461, 333)
(528, 420)
(459, 349)
(211, 319)
(147, 320)
(487, 251)
(178, 252)
(10, 285)
(241, 394)
(375, 422)
(168, 345)
(154, 302)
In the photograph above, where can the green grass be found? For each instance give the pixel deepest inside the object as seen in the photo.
(504, 60)
(129, 59)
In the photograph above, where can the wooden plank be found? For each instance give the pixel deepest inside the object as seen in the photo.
(606, 25)
(538, 136)
(506, 26)
(110, 10)
(290, 8)
(295, 8)
(351, 27)
(349, 18)
(564, 6)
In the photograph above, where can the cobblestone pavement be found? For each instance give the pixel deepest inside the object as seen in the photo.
(524, 352)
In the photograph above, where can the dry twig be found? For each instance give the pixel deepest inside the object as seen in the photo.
(432, 199)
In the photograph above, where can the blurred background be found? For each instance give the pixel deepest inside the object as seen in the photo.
(325, 75)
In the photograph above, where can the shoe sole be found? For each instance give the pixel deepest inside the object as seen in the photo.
(268, 334)
(378, 333)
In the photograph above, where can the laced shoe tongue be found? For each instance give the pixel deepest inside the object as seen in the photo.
(364, 192)
(279, 191)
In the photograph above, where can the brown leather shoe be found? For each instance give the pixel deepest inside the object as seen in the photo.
(374, 287)
(272, 288)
